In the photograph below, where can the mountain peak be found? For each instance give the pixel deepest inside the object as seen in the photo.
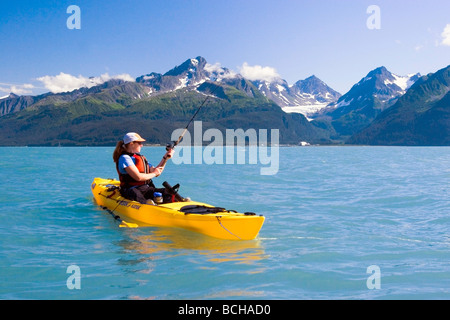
(380, 72)
(383, 82)
(310, 81)
(419, 117)
(313, 78)
(314, 86)
(380, 69)
(12, 95)
(374, 93)
(190, 65)
(190, 73)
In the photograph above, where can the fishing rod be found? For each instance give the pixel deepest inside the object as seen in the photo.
(173, 144)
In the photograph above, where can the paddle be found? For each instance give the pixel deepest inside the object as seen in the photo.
(123, 224)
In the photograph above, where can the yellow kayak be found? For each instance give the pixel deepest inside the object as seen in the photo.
(195, 216)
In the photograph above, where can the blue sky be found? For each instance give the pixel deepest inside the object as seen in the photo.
(292, 38)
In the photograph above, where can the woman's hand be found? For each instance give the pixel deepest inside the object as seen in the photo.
(169, 154)
(157, 171)
(166, 157)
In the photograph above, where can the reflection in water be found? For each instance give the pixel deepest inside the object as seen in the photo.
(167, 242)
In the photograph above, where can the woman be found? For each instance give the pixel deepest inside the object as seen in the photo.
(135, 173)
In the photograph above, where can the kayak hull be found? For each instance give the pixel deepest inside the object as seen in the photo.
(228, 225)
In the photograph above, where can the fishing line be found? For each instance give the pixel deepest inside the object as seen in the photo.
(173, 144)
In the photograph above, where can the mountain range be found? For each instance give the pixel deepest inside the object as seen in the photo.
(155, 104)
(419, 117)
(305, 96)
(373, 94)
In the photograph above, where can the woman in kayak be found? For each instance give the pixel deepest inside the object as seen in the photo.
(135, 173)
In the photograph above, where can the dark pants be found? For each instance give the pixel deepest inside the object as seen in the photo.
(144, 193)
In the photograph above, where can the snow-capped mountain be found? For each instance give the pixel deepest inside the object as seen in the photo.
(381, 84)
(421, 117)
(305, 96)
(94, 115)
(190, 74)
(12, 103)
(313, 89)
(376, 92)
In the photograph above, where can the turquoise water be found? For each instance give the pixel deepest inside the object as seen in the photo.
(331, 213)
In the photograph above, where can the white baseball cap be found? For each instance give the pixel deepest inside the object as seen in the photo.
(132, 136)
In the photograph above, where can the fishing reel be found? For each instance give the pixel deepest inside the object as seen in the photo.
(170, 145)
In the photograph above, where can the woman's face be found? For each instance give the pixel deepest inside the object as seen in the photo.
(134, 147)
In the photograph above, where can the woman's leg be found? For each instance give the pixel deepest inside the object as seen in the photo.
(137, 194)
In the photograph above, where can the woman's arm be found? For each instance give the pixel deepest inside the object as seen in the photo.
(138, 176)
(166, 157)
(163, 162)
(133, 171)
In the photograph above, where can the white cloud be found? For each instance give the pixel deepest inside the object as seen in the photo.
(217, 67)
(219, 70)
(258, 72)
(64, 82)
(19, 89)
(446, 36)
